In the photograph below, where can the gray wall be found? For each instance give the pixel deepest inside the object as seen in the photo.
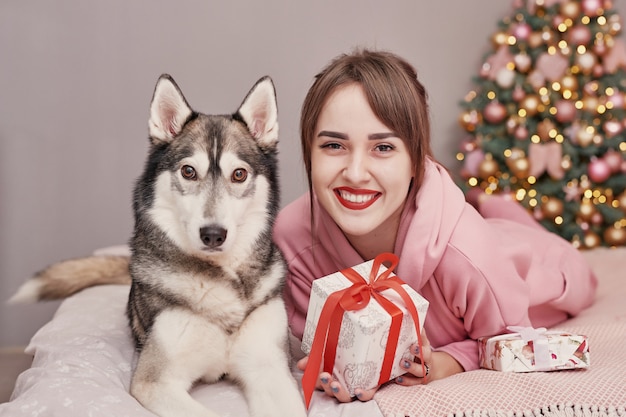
(76, 78)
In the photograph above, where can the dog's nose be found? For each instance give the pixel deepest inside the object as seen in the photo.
(213, 236)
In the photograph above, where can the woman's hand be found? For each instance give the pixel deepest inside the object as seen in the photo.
(437, 365)
(332, 387)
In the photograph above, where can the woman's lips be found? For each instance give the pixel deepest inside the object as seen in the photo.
(356, 199)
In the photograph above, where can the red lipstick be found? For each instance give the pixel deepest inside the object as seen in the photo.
(356, 199)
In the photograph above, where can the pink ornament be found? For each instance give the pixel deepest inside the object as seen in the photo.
(614, 160)
(484, 70)
(552, 67)
(468, 144)
(598, 71)
(596, 218)
(558, 19)
(591, 7)
(505, 78)
(521, 133)
(522, 62)
(494, 112)
(518, 93)
(472, 161)
(521, 31)
(497, 61)
(617, 99)
(598, 170)
(623, 167)
(615, 57)
(579, 35)
(565, 111)
(612, 127)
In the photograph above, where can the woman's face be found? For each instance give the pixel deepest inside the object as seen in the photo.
(360, 169)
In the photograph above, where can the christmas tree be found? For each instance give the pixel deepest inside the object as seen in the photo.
(546, 120)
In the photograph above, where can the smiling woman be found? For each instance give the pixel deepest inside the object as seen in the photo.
(375, 187)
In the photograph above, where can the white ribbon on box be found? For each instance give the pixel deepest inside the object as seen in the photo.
(541, 349)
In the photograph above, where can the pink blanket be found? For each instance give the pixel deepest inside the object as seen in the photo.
(597, 391)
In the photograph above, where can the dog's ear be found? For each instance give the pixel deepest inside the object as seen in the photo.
(260, 112)
(168, 110)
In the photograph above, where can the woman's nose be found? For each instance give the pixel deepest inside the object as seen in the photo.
(356, 170)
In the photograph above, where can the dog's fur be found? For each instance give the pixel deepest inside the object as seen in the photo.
(205, 299)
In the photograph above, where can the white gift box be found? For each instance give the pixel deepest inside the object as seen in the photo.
(530, 350)
(363, 337)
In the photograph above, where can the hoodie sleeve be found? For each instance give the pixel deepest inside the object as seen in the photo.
(477, 290)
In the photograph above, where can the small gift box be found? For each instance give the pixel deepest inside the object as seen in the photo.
(361, 327)
(529, 350)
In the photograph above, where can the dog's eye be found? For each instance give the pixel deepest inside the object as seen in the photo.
(239, 175)
(188, 172)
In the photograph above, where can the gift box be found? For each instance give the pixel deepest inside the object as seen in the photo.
(361, 322)
(529, 350)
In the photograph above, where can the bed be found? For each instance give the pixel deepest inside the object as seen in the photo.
(83, 358)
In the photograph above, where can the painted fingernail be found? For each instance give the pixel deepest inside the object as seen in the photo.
(406, 364)
(335, 389)
(358, 394)
(399, 379)
(324, 380)
(417, 350)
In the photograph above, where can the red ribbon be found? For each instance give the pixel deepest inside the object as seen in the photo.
(357, 297)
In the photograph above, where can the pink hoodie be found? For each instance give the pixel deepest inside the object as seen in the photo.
(480, 274)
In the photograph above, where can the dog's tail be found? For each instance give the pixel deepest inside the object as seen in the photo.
(65, 278)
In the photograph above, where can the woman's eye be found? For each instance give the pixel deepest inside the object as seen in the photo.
(331, 145)
(188, 172)
(239, 175)
(383, 147)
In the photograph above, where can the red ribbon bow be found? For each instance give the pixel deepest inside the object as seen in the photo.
(357, 297)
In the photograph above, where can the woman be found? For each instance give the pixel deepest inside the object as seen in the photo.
(375, 187)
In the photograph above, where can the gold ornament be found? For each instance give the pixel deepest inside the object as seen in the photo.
(552, 207)
(535, 40)
(570, 9)
(548, 36)
(470, 119)
(511, 124)
(615, 25)
(590, 104)
(586, 62)
(615, 236)
(621, 200)
(499, 39)
(586, 210)
(584, 136)
(530, 103)
(569, 82)
(519, 167)
(591, 240)
(488, 167)
(566, 163)
(523, 62)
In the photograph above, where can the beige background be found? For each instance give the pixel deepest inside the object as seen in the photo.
(76, 79)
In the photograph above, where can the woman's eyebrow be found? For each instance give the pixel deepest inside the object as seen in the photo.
(373, 136)
(385, 135)
(331, 134)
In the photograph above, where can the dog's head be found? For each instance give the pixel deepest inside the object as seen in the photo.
(210, 182)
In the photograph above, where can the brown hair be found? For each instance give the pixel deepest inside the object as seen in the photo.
(393, 91)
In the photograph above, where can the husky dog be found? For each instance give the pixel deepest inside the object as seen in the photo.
(205, 298)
